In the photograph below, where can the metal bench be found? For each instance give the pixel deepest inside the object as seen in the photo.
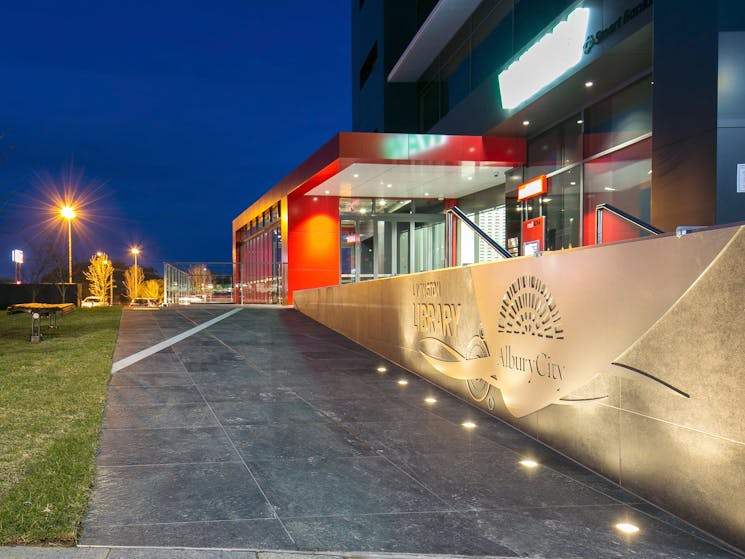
(38, 310)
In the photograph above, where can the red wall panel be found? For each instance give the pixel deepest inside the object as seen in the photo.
(313, 242)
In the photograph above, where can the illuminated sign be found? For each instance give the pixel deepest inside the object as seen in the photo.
(628, 15)
(17, 256)
(402, 146)
(533, 188)
(546, 61)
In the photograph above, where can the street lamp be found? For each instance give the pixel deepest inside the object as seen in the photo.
(69, 214)
(135, 251)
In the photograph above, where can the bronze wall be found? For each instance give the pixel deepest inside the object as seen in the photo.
(627, 357)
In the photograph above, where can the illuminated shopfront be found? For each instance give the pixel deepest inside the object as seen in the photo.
(369, 206)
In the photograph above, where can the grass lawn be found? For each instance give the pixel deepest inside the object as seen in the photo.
(52, 397)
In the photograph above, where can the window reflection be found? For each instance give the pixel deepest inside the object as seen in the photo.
(622, 179)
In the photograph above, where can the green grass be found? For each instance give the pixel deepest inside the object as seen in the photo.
(52, 396)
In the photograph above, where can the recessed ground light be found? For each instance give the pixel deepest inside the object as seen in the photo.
(381, 369)
(469, 424)
(589, 84)
(356, 175)
(529, 463)
(403, 382)
(431, 400)
(627, 528)
(526, 122)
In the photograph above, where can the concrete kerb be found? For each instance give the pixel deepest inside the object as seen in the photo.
(195, 553)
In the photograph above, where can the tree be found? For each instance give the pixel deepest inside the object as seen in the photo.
(200, 277)
(151, 289)
(100, 276)
(132, 280)
(44, 260)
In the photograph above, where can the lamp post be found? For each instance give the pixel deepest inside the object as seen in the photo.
(135, 251)
(69, 214)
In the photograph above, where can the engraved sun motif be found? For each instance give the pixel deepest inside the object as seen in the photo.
(528, 308)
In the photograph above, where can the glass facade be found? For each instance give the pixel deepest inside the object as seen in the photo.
(381, 238)
(259, 277)
(494, 33)
(599, 154)
(471, 248)
(602, 154)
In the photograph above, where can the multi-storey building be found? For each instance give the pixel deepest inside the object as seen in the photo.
(624, 102)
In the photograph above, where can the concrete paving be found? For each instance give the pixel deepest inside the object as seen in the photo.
(267, 431)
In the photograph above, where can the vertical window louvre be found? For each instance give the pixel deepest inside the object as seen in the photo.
(369, 64)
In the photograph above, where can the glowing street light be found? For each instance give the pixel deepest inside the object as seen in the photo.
(69, 214)
(135, 251)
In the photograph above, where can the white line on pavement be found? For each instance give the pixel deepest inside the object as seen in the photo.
(135, 357)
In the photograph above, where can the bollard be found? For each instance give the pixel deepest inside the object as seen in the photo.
(35, 327)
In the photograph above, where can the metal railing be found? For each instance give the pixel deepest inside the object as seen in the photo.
(457, 212)
(600, 208)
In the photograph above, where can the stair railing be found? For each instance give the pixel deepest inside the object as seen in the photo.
(458, 213)
(600, 208)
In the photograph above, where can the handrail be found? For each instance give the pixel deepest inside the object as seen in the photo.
(457, 212)
(623, 215)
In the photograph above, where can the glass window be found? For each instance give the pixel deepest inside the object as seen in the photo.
(402, 232)
(429, 105)
(560, 206)
(369, 64)
(365, 230)
(429, 206)
(492, 222)
(458, 71)
(619, 118)
(556, 148)
(622, 179)
(261, 268)
(384, 248)
(359, 206)
(348, 242)
(466, 242)
(390, 206)
(429, 246)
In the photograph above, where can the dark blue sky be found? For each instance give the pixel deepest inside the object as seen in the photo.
(177, 114)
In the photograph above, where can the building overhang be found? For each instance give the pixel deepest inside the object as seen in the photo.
(440, 26)
(363, 164)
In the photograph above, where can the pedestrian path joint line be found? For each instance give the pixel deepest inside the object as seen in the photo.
(147, 352)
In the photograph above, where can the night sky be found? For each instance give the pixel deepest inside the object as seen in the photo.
(168, 118)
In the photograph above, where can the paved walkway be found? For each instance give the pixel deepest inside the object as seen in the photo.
(267, 431)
